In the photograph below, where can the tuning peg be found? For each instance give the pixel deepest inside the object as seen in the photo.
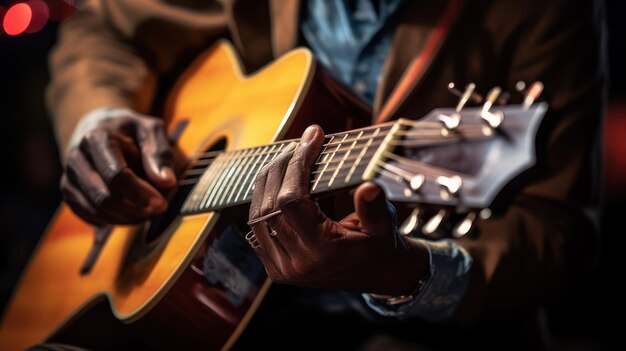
(493, 119)
(433, 224)
(450, 122)
(417, 182)
(411, 223)
(464, 226)
(466, 95)
(533, 93)
(414, 184)
(450, 185)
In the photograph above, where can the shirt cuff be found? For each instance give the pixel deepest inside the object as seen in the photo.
(91, 119)
(438, 300)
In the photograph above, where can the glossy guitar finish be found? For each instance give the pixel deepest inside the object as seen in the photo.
(159, 284)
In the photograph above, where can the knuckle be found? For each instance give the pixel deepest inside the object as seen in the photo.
(261, 176)
(164, 152)
(268, 204)
(289, 198)
(114, 172)
(93, 137)
(99, 197)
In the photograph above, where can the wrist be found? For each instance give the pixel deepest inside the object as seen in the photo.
(91, 119)
(415, 266)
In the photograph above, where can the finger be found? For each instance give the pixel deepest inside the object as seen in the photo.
(294, 198)
(107, 154)
(275, 174)
(258, 192)
(78, 203)
(156, 153)
(83, 179)
(376, 214)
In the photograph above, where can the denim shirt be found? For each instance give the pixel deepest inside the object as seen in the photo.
(353, 43)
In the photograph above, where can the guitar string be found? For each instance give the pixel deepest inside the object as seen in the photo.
(217, 154)
(470, 131)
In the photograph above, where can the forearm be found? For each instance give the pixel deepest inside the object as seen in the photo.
(110, 53)
(93, 67)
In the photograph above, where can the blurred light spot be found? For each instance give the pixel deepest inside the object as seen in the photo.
(61, 9)
(40, 16)
(17, 19)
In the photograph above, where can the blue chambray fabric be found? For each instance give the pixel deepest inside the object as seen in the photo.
(352, 41)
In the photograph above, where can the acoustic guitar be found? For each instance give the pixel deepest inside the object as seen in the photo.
(188, 279)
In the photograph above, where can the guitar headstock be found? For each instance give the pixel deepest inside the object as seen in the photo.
(458, 160)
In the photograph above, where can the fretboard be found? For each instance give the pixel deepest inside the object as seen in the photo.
(228, 177)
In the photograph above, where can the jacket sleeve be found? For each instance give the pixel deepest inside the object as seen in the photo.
(548, 240)
(110, 53)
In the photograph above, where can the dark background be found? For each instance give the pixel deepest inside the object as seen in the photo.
(30, 169)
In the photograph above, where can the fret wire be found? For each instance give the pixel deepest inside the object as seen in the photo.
(256, 158)
(257, 169)
(240, 172)
(342, 171)
(201, 160)
(209, 154)
(217, 187)
(324, 152)
(232, 175)
(362, 153)
(192, 172)
(386, 125)
(342, 150)
(188, 181)
(338, 148)
(350, 140)
(351, 158)
(204, 161)
(207, 179)
(343, 160)
(364, 148)
(228, 168)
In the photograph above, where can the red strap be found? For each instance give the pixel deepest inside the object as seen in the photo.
(416, 67)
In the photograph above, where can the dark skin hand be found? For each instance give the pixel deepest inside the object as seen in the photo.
(361, 253)
(116, 173)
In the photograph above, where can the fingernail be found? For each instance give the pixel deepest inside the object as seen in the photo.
(167, 173)
(371, 194)
(308, 135)
(157, 205)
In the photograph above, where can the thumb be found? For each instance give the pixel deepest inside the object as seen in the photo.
(375, 213)
(157, 156)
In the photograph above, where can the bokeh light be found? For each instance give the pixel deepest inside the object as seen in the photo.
(40, 16)
(17, 19)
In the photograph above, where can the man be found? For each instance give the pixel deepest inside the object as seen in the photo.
(115, 55)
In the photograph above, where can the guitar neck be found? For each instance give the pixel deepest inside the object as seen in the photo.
(227, 178)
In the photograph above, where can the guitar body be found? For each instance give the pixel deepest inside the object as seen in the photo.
(157, 285)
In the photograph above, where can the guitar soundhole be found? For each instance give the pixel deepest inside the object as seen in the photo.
(155, 227)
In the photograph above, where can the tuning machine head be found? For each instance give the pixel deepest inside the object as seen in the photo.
(531, 93)
(466, 95)
(492, 119)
